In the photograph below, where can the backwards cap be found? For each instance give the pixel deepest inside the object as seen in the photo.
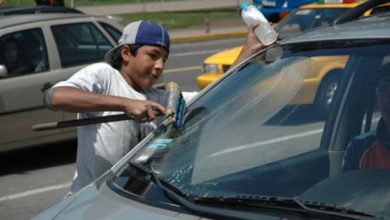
(141, 33)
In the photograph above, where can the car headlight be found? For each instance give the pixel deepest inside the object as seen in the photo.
(210, 68)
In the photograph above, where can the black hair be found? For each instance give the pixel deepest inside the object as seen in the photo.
(116, 60)
(134, 48)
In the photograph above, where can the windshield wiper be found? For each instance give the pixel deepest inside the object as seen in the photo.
(168, 188)
(312, 209)
(186, 200)
(228, 207)
(315, 209)
(216, 205)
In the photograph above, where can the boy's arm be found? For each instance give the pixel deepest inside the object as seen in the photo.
(72, 99)
(251, 46)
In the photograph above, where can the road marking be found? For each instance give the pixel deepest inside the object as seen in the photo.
(194, 53)
(261, 143)
(34, 192)
(176, 70)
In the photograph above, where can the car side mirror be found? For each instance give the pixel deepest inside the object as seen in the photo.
(3, 71)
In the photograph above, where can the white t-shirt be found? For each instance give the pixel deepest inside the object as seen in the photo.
(100, 146)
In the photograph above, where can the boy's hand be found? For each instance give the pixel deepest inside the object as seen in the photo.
(143, 111)
(251, 46)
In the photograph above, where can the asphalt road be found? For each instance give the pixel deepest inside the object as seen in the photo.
(34, 179)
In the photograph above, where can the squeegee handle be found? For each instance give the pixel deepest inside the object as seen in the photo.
(80, 122)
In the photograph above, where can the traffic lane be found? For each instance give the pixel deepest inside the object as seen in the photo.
(30, 206)
(34, 179)
(193, 54)
(214, 45)
(185, 77)
(42, 166)
(185, 61)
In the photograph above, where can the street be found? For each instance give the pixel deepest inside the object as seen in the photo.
(254, 147)
(35, 179)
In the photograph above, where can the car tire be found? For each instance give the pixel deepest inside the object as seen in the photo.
(325, 93)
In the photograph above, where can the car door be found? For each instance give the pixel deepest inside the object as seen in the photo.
(49, 54)
(24, 53)
(79, 44)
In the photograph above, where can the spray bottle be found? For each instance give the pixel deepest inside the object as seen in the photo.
(264, 32)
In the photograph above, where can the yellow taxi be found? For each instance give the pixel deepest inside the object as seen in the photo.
(320, 85)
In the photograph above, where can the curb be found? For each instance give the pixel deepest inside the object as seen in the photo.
(206, 37)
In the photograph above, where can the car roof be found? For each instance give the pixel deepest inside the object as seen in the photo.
(37, 10)
(373, 27)
(12, 20)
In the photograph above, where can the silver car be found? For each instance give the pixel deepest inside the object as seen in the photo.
(244, 152)
(36, 51)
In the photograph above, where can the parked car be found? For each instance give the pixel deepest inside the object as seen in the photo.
(37, 10)
(243, 152)
(320, 86)
(36, 51)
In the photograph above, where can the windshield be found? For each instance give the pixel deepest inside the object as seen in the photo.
(304, 19)
(259, 131)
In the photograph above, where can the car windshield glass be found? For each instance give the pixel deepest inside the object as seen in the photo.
(304, 19)
(259, 131)
(250, 102)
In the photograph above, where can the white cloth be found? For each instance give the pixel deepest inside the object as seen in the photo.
(101, 145)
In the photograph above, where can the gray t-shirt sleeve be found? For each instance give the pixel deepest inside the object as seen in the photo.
(47, 98)
(91, 78)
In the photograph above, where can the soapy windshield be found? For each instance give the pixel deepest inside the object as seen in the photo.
(241, 125)
(260, 131)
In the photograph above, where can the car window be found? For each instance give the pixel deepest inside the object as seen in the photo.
(24, 52)
(80, 43)
(115, 33)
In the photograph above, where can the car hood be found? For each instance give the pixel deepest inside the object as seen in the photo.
(102, 203)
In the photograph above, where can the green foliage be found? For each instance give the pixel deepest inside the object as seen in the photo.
(170, 20)
(77, 3)
(183, 19)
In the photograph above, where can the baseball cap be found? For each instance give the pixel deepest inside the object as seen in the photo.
(141, 32)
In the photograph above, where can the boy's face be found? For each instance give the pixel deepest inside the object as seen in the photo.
(146, 67)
